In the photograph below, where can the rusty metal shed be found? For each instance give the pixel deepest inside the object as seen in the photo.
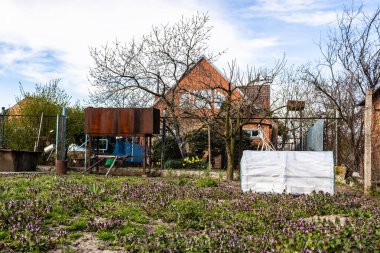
(125, 122)
(122, 121)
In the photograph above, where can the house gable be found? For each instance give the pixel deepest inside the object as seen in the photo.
(203, 76)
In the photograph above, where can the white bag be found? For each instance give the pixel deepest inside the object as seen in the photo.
(294, 172)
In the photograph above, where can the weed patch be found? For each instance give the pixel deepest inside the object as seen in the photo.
(39, 213)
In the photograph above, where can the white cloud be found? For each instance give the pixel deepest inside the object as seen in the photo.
(311, 12)
(68, 28)
(71, 27)
(285, 5)
(316, 18)
(35, 65)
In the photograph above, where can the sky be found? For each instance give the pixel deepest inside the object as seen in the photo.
(45, 39)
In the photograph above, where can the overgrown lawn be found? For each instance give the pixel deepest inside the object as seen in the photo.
(46, 212)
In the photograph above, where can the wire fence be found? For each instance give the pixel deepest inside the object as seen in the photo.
(313, 140)
(34, 132)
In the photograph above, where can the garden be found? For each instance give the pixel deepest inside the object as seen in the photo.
(93, 213)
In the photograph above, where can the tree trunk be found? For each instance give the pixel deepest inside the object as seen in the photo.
(230, 160)
(176, 131)
(181, 144)
(229, 144)
(209, 148)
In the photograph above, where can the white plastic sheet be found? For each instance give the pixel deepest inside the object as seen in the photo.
(293, 172)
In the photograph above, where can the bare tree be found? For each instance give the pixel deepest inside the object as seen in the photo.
(350, 65)
(292, 87)
(244, 109)
(231, 101)
(146, 71)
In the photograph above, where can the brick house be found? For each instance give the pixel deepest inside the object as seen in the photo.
(203, 80)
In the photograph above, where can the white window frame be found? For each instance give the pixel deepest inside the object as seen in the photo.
(218, 99)
(250, 132)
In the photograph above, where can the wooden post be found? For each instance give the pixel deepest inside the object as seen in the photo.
(150, 153)
(144, 155)
(367, 140)
(39, 133)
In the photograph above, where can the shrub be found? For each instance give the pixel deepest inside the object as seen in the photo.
(194, 163)
(171, 152)
(173, 164)
(198, 142)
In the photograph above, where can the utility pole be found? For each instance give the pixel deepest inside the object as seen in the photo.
(337, 161)
(368, 141)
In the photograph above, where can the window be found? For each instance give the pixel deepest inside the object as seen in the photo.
(218, 99)
(202, 98)
(184, 101)
(253, 133)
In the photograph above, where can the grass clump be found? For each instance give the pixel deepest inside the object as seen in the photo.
(132, 229)
(106, 236)
(75, 236)
(78, 224)
(207, 182)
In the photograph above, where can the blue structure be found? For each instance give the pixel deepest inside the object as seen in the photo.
(314, 137)
(125, 147)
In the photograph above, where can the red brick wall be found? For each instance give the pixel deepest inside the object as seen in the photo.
(259, 94)
(265, 126)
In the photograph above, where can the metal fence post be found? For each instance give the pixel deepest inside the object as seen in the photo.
(57, 138)
(163, 141)
(63, 135)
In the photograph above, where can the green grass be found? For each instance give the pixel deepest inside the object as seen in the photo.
(77, 224)
(207, 182)
(106, 236)
(39, 213)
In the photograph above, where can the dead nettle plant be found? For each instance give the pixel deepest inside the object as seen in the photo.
(146, 71)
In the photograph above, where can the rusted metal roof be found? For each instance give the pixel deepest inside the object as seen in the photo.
(121, 121)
